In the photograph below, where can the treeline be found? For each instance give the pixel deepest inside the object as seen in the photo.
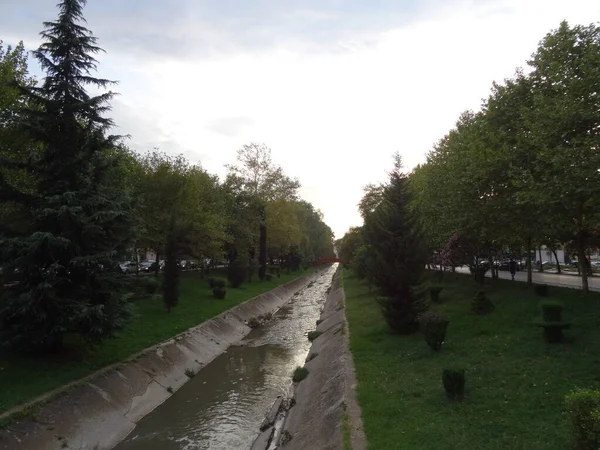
(520, 173)
(74, 200)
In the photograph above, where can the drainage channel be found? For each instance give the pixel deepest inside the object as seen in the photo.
(223, 406)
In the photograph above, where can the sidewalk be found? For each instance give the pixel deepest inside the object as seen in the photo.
(552, 279)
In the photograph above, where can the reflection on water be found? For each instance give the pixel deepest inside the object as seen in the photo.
(223, 406)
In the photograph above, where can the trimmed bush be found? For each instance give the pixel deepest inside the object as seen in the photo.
(454, 383)
(149, 284)
(541, 290)
(212, 282)
(583, 411)
(434, 325)
(481, 304)
(219, 292)
(434, 293)
(269, 277)
(220, 283)
(478, 273)
(552, 322)
(237, 274)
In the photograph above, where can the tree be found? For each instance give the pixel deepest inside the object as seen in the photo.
(398, 257)
(564, 125)
(77, 220)
(258, 178)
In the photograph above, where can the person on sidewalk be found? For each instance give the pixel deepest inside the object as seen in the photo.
(512, 267)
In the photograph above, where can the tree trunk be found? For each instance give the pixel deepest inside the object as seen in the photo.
(582, 262)
(557, 262)
(262, 248)
(541, 262)
(492, 267)
(157, 266)
(529, 268)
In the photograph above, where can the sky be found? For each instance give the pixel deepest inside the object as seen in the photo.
(333, 87)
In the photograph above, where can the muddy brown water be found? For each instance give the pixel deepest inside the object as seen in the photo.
(223, 405)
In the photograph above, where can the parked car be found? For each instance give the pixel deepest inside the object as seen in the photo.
(145, 266)
(128, 267)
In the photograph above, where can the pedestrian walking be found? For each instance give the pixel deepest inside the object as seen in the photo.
(512, 266)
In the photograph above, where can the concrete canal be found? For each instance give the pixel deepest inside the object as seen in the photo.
(223, 405)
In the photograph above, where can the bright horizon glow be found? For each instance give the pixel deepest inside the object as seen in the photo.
(333, 102)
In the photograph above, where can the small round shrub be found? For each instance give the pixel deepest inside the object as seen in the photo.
(212, 282)
(541, 290)
(583, 411)
(434, 325)
(454, 383)
(478, 274)
(219, 292)
(220, 283)
(552, 321)
(149, 284)
(481, 304)
(269, 277)
(434, 293)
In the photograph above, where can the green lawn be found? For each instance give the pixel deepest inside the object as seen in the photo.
(515, 381)
(23, 379)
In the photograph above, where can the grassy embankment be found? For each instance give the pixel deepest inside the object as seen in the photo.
(515, 380)
(23, 379)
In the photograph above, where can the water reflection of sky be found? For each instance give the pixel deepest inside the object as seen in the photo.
(224, 404)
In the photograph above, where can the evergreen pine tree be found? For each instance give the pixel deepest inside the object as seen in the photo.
(78, 221)
(397, 255)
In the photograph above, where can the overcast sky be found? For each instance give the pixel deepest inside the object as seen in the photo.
(333, 87)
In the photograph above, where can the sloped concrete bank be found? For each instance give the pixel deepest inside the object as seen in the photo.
(99, 411)
(323, 411)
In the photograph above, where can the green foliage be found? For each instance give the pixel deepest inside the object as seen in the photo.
(219, 292)
(237, 273)
(300, 374)
(312, 335)
(541, 290)
(254, 322)
(481, 304)
(150, 285)
(212, 282)
(434, 293)
(583, 411)
(268, 277)
(454, 383)
(478, 274)
(220, 283)
(434, 325)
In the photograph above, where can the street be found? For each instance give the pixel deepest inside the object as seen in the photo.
(551, 279)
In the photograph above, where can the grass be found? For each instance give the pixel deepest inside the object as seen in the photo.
(26, 378)
(515, 381)
(300, 374)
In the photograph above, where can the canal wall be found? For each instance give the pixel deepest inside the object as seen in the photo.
(325, 414)
(99, 411)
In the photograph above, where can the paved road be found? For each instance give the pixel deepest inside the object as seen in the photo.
(552, 279)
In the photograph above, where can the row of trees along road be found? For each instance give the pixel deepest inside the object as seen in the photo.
(74, 200)
(521, 172)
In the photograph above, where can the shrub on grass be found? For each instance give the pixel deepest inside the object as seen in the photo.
(583, 411)
(434, 293)
(454, 383)
(552, 322)
(269, 277)
(541, 290)
(220, 283)
(219, 293)
(237, 273)
(150, 285)
(212, 282)
(478, 274)
(300, 374)
(434, 325)
(481, 304)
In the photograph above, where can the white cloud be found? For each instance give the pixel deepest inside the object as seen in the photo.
(334, 114)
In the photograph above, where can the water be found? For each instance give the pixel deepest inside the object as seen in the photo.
(223, 406)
